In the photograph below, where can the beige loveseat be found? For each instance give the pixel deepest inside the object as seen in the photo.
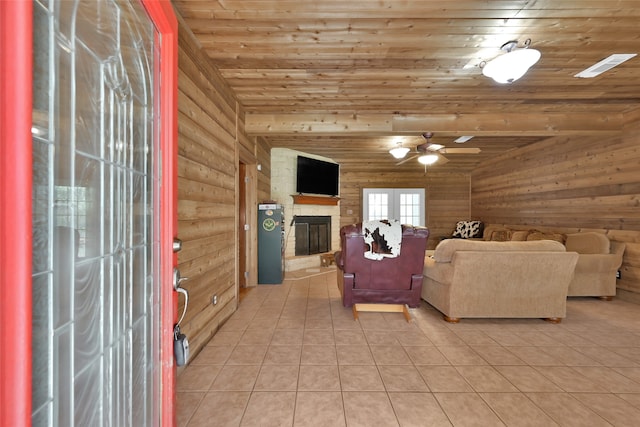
(599, 260)
(530, 279)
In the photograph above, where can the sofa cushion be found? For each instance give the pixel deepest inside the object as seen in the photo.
(588, 242)
(539, 235)
(447, 248)
(468, 229)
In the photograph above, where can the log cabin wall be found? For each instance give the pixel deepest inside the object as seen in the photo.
(447, 196)
(211, 144)
(569, 184)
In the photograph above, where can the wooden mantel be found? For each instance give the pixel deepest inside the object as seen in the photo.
(301, 199)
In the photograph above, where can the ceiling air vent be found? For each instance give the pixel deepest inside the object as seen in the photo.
(605, 65)
(463, 139)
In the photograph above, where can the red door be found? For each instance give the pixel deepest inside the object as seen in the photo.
(86, 240)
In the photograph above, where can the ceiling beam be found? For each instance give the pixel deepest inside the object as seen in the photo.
(487, 124)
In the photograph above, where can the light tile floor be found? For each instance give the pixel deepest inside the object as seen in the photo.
(293, 356)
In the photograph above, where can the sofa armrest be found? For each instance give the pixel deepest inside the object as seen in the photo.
(598, 263)
(337, 256)
(439, 271)
(416, 281)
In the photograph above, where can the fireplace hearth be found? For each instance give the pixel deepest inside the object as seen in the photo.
(312, 234)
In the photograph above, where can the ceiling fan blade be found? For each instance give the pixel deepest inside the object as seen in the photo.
(441, 159)
(407, 159)
(460, 150)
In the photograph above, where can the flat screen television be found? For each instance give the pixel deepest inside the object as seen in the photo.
(315, 176)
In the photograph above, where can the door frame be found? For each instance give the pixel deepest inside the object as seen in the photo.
(161, 13)
(16, 47)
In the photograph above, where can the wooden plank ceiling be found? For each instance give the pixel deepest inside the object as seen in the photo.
(349, 79)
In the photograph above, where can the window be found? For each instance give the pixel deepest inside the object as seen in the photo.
(403, 204)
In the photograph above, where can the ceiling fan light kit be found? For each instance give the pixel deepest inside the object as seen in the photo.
(428, 159)
(510, 66)
(429, 153)
(399, 152)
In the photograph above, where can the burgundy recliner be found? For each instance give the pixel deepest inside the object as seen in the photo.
(389, 280)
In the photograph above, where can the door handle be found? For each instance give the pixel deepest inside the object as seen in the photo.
(177, 279)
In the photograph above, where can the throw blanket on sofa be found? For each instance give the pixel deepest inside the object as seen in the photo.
(383, 238)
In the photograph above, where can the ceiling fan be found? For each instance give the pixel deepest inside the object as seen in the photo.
(429, 153)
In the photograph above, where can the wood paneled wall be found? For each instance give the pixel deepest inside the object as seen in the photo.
(569, 183)
(447, 196)
(263, 155)
(211, 143)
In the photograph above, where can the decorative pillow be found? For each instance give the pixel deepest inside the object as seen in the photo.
(468, 229)
(588, 242)
(538, 235)
(519, 235)
(501, 236)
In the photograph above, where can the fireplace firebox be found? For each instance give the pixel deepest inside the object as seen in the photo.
(312, 234)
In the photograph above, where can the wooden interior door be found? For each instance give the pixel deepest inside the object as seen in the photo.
(243, 226)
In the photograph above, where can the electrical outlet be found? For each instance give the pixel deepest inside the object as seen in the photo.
(214, 299)
(618, 274)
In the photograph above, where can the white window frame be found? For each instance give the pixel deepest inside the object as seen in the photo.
(393, 195)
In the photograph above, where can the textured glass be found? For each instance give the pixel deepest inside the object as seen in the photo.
(41, 201)
(87, 389)
(63, 398)
(108, 303)
(42, 197)
(87, 314)
(139, 297)
(139, 361)
(64, 244)
(139, 200)
(88, 106)
(95, 278)
(41, 322)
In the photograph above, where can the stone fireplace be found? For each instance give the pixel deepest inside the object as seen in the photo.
(283, 187)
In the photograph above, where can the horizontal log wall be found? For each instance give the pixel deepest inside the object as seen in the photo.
(447, 196)
(210, 143)
(569, 183)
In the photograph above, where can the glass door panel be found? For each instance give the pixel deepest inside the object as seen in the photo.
(402, 204)
(96, 287)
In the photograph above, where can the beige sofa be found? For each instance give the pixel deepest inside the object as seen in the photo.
(599, 260)
(530, 279)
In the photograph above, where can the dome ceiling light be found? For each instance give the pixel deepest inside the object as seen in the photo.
(510, 66)
(428, 159)
(399, 152)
